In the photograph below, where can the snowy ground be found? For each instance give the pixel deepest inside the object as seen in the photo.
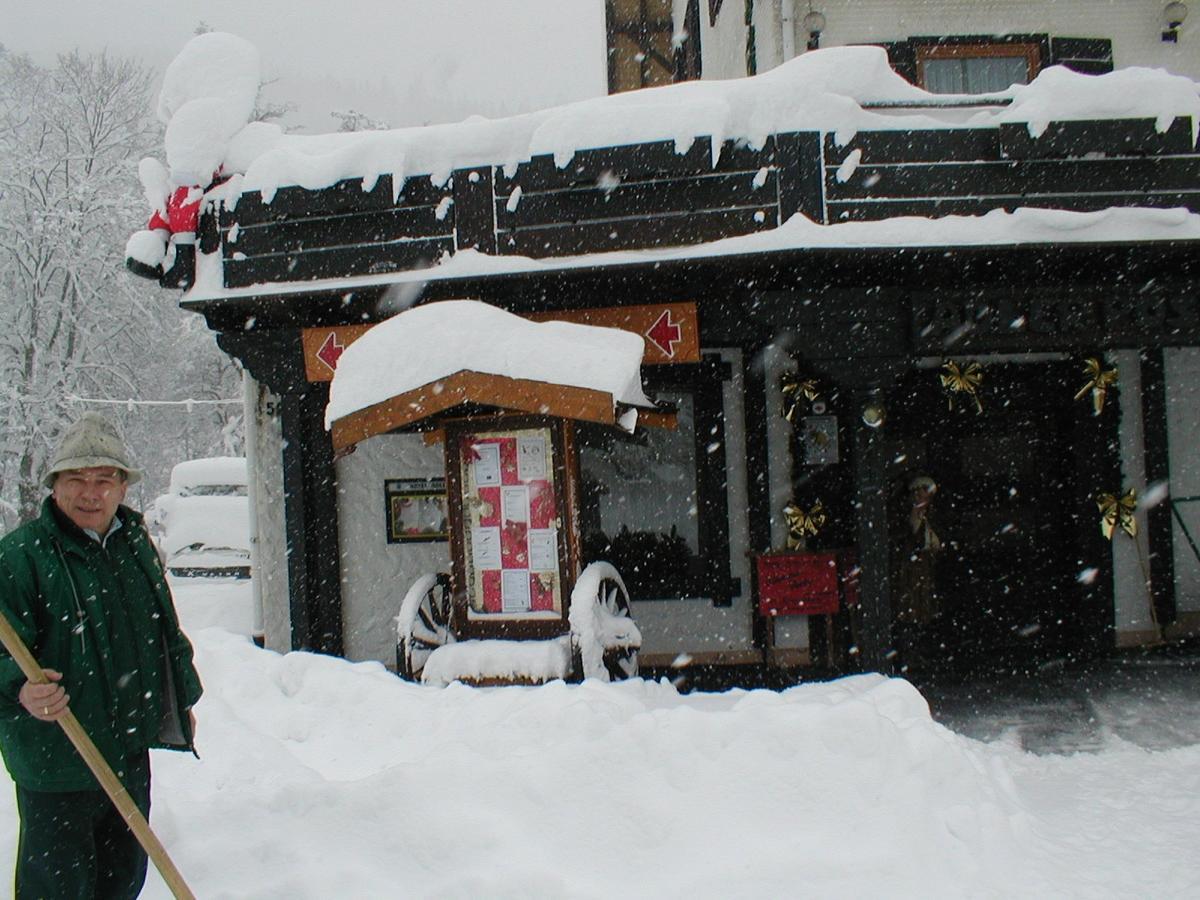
(320, 778)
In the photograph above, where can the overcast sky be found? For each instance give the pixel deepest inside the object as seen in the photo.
(404, 61)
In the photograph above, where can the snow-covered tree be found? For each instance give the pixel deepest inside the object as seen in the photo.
(353, 120)
(73, 323)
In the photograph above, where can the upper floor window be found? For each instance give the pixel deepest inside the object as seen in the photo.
(976, 68)
(645, 48)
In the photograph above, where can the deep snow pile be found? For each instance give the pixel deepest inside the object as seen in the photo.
(320, 778)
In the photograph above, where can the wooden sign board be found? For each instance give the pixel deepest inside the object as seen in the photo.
(323, 348)
(671, 332)
(797, 584)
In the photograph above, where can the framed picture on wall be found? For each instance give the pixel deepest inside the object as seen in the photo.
(416, 510)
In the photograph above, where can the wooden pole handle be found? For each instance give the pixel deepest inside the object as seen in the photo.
(100, 768)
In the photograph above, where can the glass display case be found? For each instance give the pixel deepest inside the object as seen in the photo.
(513, 545)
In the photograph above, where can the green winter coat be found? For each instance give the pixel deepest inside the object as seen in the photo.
(50, 585)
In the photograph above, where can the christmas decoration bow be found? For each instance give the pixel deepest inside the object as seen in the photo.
(1118, 511)
(963, 381)
(794, 387)
(1099, 382)
(803, 524)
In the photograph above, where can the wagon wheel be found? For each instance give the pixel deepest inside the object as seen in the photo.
(621, 659)
(423, 624)
(605, 636)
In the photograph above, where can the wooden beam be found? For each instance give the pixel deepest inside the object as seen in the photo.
(516, 394)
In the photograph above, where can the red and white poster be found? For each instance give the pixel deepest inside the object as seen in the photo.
(512, 522)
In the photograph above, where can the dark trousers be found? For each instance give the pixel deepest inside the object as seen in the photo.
(74, 845)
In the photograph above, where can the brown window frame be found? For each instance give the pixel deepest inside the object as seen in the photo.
(1031, 51)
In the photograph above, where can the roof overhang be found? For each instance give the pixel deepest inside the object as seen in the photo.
(813, 268)
(441, 398)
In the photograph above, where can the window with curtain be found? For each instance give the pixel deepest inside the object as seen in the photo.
(976, 68)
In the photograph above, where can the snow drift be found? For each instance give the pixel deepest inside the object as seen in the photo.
(320, 778)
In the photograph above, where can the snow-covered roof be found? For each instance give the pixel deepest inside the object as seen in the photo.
(840, 91)
(836, 90)
(426, 343)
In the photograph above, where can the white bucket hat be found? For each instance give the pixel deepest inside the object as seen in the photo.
(91, 442)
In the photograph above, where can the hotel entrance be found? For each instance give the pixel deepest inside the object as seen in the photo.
(996, 565)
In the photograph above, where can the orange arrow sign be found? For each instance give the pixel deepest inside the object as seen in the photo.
(331, 351)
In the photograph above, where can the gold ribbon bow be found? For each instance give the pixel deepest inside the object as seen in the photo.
(963, 381)
(1116, 511)
(794, 387)
(803, 524)
(1099, 382)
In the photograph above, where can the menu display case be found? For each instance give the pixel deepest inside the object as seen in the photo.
(513, 543)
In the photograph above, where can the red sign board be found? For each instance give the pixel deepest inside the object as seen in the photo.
(798, 584)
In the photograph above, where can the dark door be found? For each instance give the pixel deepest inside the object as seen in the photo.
(1008, 511)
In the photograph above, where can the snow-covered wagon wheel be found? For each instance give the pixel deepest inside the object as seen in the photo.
(606, 638)
(423, 624)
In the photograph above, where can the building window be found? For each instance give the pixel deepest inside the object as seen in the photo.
(654, 503)
(976, 68)
(645, 49)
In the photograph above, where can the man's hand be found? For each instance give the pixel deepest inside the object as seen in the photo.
(47, 702)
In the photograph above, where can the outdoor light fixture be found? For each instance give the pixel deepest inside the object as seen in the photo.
(814, 24)
(1173, 16)
(874, 412)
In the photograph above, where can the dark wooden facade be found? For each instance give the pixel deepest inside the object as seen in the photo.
(860, 319)
(648, 195)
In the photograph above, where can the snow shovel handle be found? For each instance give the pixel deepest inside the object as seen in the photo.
(100, 768)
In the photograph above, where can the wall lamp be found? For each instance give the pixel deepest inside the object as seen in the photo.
(1173, 16)
(874, 413)
(814, 23)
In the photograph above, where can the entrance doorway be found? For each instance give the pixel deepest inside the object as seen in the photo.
(1014, 581)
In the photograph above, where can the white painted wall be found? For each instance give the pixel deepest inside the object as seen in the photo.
(790, 631)
(375, 574)
(1134, 27)
(1183, 436)
(1131, 593)
(270, 550)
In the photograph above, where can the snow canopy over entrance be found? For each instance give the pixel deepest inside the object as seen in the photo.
(431, 342)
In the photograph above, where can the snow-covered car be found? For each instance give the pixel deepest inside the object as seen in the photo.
(203, 523)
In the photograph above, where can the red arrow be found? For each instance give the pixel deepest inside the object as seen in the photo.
(331, 351)
(665, 334)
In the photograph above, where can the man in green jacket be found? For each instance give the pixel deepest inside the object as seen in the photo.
(85, 590)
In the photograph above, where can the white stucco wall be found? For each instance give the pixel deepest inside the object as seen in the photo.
(270, 548)
(375, 574)
(1131, 598)
(1182, 370)
(1134, 27)
(790, 631)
